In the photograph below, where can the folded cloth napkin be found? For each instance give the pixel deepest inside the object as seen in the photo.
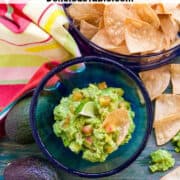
(30, 35)
(33, 82)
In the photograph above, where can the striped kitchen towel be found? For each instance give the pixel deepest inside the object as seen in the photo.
(15, 96)
(30, 35)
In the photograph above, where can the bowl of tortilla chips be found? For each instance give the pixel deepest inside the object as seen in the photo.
(140, 36)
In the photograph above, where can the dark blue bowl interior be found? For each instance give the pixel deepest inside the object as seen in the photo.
(95, 70)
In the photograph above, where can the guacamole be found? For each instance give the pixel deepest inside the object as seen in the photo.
(176, 142)
(161, 160)
(82, 124)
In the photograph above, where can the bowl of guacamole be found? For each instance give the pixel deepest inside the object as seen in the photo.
(95, 120)
(98, 118)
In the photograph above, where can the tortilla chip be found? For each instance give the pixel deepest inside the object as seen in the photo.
(128, 6)
(176, 14)
(102, 40)
(163, 45)
(167, 117)
(118, 119)
(121, 49)
(172, 175)
(169, 27)
(158, 8)
(83, 12)
(156, 81)
(165, 131)
(170, 118)
(175, 78)
(165, 105)
(99, 7)
(174, 9)
(141, 36)
(114, 17)
(147, 14)
(88, 30)
(101, 23)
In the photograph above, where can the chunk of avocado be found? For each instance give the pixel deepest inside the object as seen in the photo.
(17, 125)
(30, 168)
(161, 160)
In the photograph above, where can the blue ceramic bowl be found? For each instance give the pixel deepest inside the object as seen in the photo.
(134, 62)
(61, 81)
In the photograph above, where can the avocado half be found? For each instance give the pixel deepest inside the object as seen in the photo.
(30, 168)
(17, 125)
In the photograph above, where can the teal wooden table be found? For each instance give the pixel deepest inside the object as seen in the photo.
(137, 171)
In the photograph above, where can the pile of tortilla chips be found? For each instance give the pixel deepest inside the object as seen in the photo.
(167, 106)
(129, 28)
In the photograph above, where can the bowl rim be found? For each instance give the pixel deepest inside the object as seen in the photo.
(87, 59)
(133, 65)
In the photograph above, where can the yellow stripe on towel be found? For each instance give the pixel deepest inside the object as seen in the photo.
(20, 60)
(50, 21)
(50, 46)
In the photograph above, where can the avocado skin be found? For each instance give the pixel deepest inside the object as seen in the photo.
(30, 168)
(17, 125)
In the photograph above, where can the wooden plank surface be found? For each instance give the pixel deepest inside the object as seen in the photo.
(137, 171)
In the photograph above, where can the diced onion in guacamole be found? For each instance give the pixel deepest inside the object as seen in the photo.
(79, 121)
